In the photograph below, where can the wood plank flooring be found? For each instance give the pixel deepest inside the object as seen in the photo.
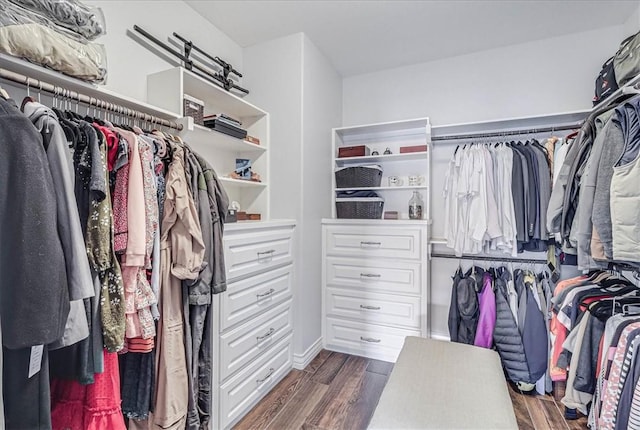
(340, 392)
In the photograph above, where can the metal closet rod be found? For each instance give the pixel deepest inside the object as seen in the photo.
(83, 98)
(506, 133)
(483, 258)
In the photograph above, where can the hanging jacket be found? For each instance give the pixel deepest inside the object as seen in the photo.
(534, 333)
(487, 318)
(466, 311)
(506, 335)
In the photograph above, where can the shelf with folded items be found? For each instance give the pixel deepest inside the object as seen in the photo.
(218, 141)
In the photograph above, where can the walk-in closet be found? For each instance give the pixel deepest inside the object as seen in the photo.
(330, 215)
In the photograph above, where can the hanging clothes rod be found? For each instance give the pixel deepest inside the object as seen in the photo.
(83, 98)
(483, 258)
(452, 137)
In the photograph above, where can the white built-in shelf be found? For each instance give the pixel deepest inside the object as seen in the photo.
(402, 221)
(97, 91)
(241, 183)
(216, 140)
(409, 156)
(401, 188)
(167, 89)
(228, 102)
(392, 128)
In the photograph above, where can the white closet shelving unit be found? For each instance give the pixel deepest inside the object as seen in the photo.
(375, 271)
(380, 137)
(167, 88)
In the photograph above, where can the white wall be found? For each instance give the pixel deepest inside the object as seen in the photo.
(129, 62)
(632, 25)
(322, 110)
(542, 77)
(294, 82)
(551, 75)
(273, 75)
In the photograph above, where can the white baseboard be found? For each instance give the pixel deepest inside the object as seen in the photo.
(440, 337)
(300, 361)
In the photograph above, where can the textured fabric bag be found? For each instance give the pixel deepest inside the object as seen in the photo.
(606, 82)
(626, 62)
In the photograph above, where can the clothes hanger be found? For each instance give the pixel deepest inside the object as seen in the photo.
(4, 94)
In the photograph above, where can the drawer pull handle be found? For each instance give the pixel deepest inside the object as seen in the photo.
(370, 275)
(268, 293)
(366, 242)
(266, 335)
(373, 308)
(369, 339)
(271, 251)
(271, 372)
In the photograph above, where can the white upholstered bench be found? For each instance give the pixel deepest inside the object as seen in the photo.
(443, 385)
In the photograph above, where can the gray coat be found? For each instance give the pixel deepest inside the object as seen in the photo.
(34, 298)
(218, 204)
(79, 277)
(587, 193)
(506, 335)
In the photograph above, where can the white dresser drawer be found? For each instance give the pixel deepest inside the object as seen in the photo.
(377, 308)
(243, 344)
(253, 251)
(241, 392)
(374, 241)
(381, 275)
(370, 340)
(248, 297)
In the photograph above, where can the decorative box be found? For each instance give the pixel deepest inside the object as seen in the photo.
(353, 151)
(416, 148)
(194, 108)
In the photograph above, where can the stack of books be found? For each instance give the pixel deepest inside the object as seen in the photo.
(225, 124)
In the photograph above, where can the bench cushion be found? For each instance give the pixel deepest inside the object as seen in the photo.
(443, 385)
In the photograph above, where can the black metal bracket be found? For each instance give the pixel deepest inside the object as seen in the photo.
(203, 72)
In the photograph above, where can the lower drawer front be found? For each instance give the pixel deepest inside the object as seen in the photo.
(245, 389)
(373, 307)
(369, 340)
(243, 344)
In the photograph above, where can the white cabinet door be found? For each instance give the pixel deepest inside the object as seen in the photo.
(248, 297)
(365, 306)
(255, 251)
(240, 346)
(374, 241)
(380, 275)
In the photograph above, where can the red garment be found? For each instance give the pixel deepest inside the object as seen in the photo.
(89, 407)
(112, 145)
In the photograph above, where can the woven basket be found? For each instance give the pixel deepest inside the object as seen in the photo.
(358, 176)
(360, 207)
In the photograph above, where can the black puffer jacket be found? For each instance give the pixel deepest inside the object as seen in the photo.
(506, 335)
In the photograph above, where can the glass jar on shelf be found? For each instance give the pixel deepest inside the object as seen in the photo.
(415, 206)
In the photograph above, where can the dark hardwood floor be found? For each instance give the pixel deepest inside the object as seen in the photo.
(340, 392)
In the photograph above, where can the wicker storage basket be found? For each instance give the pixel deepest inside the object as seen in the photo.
(359, 176)
(360, 207)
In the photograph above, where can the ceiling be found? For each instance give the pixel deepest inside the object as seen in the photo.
(366, 36)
